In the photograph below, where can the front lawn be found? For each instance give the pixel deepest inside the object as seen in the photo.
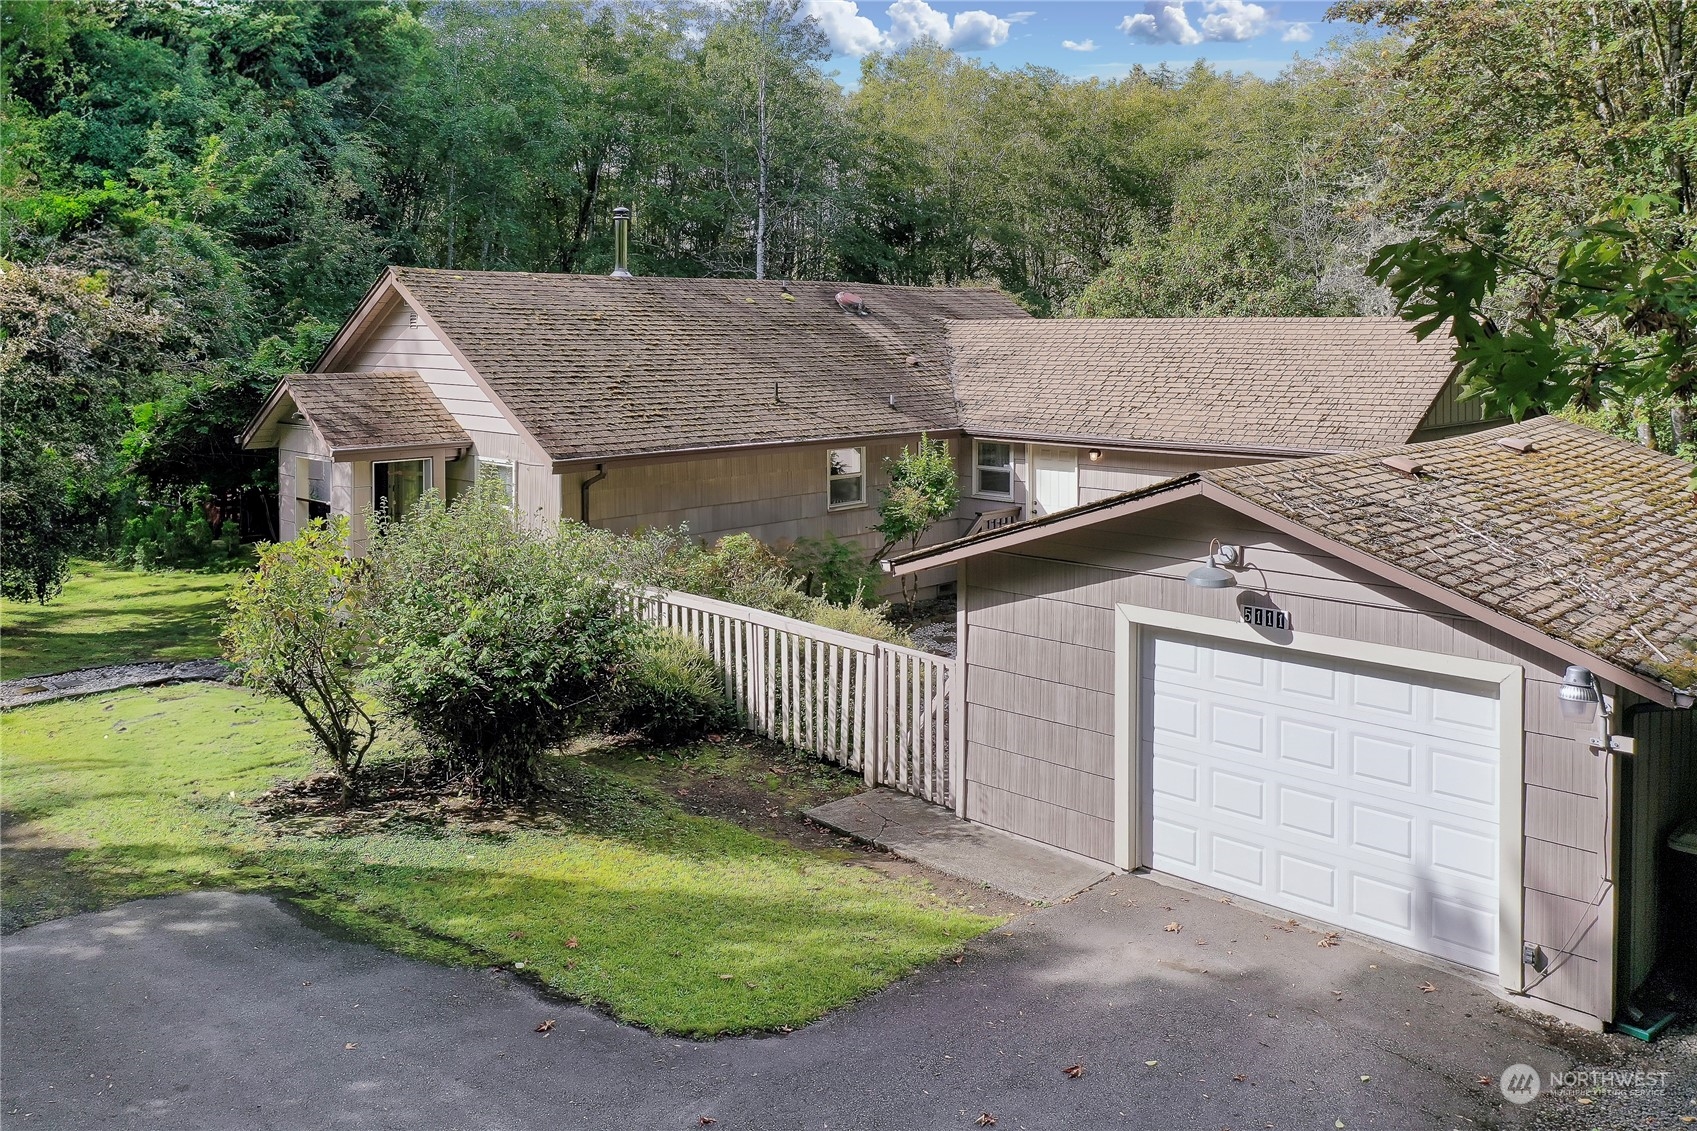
(615, 896)
(113, 616)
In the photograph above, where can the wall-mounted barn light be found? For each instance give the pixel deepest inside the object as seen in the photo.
(1095, 455)
(1581, 698)
(1211, 576)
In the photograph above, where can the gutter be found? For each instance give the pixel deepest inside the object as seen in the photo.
(1120, 443)
(668, 455)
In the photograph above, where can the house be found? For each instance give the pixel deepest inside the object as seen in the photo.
(739, 405)
(1439, 694)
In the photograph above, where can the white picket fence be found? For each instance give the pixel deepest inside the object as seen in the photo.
(877, 708)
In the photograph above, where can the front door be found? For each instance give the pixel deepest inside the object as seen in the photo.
(1054, 480)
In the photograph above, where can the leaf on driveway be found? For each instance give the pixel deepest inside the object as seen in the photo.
(1428, 988)
(1151, 1063)
(705, 1121)
(1240, 1078)
(1073, 1071)
(351, 1045)
(1485, 1081)
(546, 1027)
(985, 1119)
(1330, 938)
(1172, 928)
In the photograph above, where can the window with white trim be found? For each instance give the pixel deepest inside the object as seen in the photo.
(505, 471)
(845, 471)
(397, 485)
(312, 489)
(993, 471)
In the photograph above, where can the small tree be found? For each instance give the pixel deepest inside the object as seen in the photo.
(297, 627)
(923, 491)
(487, 640)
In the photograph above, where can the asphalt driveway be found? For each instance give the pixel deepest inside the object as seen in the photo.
(214, 1010)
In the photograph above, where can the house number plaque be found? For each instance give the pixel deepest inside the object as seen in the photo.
(1259, 616)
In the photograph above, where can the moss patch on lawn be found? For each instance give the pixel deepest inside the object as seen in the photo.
(108, 615)
(682, 923)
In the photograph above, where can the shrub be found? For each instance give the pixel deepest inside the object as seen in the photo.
(671, 691)
(171, 536)
(835, 571)
(490, 648)
(298, 628)
(862, 620)
(923, 490)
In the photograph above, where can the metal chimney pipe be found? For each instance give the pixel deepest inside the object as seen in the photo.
(621, 242)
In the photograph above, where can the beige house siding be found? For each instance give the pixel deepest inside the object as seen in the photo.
(1659, 793)
(1118, 471)
(398, 339)
(296, 442)
(1040, 695)
(1451, 414)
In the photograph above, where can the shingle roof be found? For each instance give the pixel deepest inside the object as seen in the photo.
(1585, 537)
(1303, 384)
(386, 408)
(595, 366)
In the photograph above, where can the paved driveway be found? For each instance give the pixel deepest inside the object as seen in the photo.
(223, 1011)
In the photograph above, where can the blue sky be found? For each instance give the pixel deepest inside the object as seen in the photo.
(1082, 38)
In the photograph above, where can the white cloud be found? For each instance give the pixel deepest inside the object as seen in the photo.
(1018, 17)
(848, 32)
(1297, 33)
(1161, 21)
(1087, 45)
(1234, 20)
(913, 20)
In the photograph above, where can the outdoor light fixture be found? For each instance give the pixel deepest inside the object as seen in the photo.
(1211, 576)
(1579, 695)
(1095, 455)
(1581, 699)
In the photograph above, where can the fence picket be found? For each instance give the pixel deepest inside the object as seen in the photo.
(880, 709)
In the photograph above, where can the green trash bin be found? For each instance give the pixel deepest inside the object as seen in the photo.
(1679, 897)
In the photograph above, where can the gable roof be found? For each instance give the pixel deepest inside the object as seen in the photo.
(1584, 539)
(360, 411)
(594, 366)
(1285, 385)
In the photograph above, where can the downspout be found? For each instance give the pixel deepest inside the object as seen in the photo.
(583, 492)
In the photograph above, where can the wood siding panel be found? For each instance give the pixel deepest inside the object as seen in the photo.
(397, 341)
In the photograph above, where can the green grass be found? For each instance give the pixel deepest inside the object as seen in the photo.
(684, 924)
(113, 616)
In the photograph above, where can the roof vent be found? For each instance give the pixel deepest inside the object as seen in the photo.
(1516, 443)
(851, 302)
(621, 242)
(1402, 465)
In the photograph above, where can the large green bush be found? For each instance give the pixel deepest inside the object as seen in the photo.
(487, 641)
(671, 691)
(166, 536)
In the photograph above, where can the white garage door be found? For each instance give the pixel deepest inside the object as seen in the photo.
(1362, 796)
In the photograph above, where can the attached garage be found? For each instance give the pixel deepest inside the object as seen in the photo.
(1391, 692)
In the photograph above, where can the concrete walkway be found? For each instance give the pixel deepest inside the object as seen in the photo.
(933, 836)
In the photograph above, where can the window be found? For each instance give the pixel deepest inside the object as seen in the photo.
(503, 470)
(312, 489)
(846, 468)
(396, 486)
(995, 470)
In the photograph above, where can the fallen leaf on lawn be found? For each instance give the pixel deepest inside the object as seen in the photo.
(725, 977)
(350, 1045)
(985, 1119)
(1330, 938)
(515, 934)
(571, 943)
(1428, 988)
(1073, 1071)
(1151, 1063)
(1172, 928)
(546, 1027)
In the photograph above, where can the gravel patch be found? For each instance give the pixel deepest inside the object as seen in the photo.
(90, 681)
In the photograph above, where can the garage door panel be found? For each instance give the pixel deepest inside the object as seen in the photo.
(1364, 797)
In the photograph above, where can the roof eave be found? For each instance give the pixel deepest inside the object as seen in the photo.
(1121, 443)
(703, 451)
